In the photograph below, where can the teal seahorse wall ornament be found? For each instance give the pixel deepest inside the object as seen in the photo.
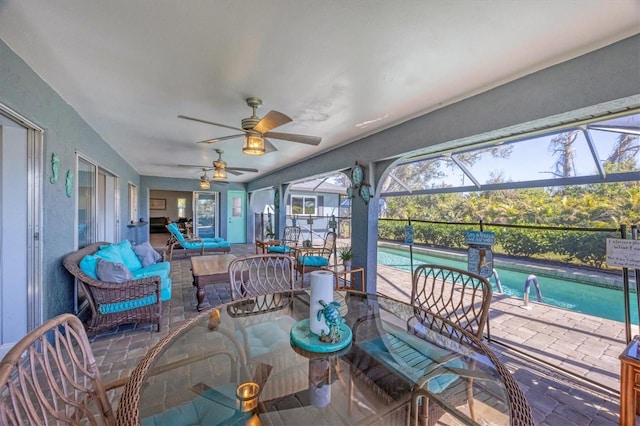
(69, 182)
(55, 164)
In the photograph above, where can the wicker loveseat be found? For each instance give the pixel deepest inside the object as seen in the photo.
(138, 300)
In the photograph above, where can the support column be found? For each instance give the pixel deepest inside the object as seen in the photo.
(364, 235)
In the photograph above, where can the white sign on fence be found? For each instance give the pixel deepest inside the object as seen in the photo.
(480, 238)
(624, 253)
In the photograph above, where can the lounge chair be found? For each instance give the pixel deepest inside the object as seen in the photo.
(178, 240)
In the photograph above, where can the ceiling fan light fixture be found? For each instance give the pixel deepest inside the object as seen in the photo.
(204, 184)
(253, 145)
(219, 175)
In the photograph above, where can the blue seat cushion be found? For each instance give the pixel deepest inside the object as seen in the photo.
(314, 261)
(202, 410)
(163, 270)
(412, 357)
(89, 263)
(279, 249)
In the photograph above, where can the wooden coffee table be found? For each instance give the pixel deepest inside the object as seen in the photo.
(213, 269)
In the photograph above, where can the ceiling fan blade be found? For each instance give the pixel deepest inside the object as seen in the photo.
(211, 122)
(223, 138)
(309, 140)
(269, 147)
(233, 172)
(196, 166)
(242, 169)
(270, 121)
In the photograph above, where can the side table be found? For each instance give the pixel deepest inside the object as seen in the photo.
(347, 275)
(630, 383)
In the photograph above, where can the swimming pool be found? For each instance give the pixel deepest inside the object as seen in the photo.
(579, 297)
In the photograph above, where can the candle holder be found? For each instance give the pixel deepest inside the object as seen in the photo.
(247, 394)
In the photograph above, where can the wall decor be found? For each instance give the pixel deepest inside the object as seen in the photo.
(69, 183)
(365, 192)
(357, 175)
(157, 204)
(55, 165)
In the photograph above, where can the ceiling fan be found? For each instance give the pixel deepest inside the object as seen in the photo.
(220, 169)
(255, 130)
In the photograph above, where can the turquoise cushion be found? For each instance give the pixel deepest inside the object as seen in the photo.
(129, 257)
(176, 232)
(315, 261)
(112, 308)
(202, 410)
(162, 270)
(110, 253)
(279, 249)
(412, 358)
(89, 265)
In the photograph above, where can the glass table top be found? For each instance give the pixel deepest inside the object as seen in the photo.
(236, 365)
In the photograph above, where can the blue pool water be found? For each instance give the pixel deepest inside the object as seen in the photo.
(579, 297)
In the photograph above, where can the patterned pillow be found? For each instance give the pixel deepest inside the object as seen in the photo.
(147, 255)
(113, 272)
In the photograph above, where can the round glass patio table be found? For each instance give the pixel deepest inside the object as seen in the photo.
(235, 364)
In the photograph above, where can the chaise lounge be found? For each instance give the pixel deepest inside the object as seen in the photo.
(178, 240)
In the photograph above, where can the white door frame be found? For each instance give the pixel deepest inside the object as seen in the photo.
(35, 172)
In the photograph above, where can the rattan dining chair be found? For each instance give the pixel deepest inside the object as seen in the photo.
(289, 241)
(460, 296)
(51, 377)
(519, 407)
(313, 258)
(260, 274)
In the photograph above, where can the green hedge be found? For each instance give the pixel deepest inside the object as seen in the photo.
(588, 248)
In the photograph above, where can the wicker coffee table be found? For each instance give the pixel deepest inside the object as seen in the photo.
(211, 269)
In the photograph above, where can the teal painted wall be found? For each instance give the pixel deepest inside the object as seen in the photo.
(65, 132)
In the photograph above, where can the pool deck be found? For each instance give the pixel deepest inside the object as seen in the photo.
(585, 345)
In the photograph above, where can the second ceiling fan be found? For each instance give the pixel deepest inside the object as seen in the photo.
(220, 169)
(255, 130)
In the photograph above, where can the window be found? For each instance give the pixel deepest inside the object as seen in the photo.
(303, 205)
(182, 207)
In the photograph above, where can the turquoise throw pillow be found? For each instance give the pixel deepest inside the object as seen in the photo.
(110, 253)
(129, 257)
(89, 264)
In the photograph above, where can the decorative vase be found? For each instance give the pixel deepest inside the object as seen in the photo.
(321, 289)
(346, 264)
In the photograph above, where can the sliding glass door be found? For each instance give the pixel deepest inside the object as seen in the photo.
(205, 217)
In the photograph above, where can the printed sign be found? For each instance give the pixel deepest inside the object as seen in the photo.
(408, 234)
(624, 253)
(480, 261)
(480, 238)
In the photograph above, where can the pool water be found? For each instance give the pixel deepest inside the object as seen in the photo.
(579, 297)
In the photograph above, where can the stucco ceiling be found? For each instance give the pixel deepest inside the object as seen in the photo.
(341, 70)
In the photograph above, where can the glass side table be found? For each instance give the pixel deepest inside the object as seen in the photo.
(345, 278)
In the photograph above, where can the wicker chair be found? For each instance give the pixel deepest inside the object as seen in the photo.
(51, 377)
(460, 296)
(99, 293)
(314, 258)
(520, 410)
(261, 274)
(289, 241)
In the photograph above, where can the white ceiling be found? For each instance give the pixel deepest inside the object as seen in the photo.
(340, 69)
